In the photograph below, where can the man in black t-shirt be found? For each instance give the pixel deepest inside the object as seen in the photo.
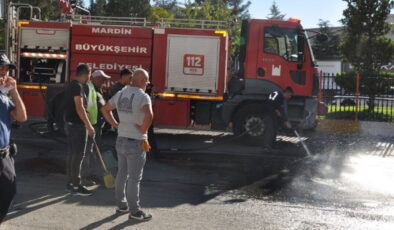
(125, 79)
(78, 127)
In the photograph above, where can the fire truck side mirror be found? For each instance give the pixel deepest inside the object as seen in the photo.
(73, 3)
(321, 37)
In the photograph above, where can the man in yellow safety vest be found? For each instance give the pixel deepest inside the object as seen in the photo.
(95, 100)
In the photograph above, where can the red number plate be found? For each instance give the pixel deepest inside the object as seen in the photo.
(193, 64)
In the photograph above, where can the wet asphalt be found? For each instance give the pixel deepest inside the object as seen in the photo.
(348, 176)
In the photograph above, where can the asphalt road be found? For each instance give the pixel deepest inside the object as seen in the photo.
(207, 180)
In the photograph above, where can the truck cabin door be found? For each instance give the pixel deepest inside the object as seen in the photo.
(282, 58)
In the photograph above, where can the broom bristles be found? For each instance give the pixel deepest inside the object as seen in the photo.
(109, 181)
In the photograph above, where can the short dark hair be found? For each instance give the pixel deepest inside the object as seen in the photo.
(288, 90)
(83, 69)
(125, 72)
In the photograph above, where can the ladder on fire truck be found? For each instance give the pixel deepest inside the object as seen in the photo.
(159, 23)
(13, 17)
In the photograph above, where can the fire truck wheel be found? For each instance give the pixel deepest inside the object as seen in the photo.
(254, 126)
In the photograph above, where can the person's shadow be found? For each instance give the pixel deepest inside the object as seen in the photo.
(108, 219)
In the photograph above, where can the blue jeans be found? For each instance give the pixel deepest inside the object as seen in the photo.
(131, 162)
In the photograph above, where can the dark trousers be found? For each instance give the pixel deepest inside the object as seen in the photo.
(91, 167)
(77, 139)
(7, 185)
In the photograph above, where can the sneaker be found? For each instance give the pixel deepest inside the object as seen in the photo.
(88, 182)
(69, 187)
(140, 216)
(81, 191)
(122, 210)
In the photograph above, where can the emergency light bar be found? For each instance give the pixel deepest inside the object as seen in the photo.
(294, 20)
(44, 55)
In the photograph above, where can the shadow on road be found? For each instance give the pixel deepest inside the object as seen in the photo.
(179, 177)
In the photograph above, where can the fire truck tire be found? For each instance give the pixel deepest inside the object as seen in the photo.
(255, 126)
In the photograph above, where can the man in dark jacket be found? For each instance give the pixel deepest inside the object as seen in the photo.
(278, 102)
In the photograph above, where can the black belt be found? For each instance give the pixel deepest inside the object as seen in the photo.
(131, 139)
(4, 152)
(74, 123)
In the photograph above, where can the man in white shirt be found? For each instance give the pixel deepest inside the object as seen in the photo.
(134, 108)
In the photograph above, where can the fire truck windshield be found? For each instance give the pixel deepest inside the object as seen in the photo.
(281, 42)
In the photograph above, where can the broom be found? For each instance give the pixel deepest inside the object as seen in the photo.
(109, 180)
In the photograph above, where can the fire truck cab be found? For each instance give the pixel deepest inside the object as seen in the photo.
(274, 55)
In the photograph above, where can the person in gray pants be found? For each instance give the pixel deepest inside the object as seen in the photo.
(134, 108)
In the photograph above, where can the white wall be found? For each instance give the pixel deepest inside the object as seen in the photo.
(329, 67)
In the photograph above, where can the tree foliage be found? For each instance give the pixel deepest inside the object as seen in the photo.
(275, 12)
(128, 8)
(326, 49)
(365, 46)
(239, 8)
(98, 7)
(207, 10)
(170, 5)
(49, 8)
(365, 25)
(215, 10)
(159, 12)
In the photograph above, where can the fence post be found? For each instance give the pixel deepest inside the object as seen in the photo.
(357, 95)
(321, 85)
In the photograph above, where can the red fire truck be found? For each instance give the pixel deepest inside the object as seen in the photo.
(195, 82)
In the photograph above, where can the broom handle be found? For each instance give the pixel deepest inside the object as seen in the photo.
(99, 154)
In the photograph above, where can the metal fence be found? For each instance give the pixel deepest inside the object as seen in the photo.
(358, 97)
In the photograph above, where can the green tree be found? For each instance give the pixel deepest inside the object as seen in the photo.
(170, 6)
(49, 8)
(128, 8)
(275, 12)
(97, 8)
(214, 11)
(207, 10)
(159, 12)
(239, 8)
(166, 4)
(326, 49)
(365, 46)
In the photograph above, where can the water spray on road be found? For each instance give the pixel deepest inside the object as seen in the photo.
(303, 143)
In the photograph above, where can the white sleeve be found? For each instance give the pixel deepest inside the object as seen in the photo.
(146, 101)
(114, 100)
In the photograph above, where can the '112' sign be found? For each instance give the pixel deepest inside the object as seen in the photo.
(193, 64)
